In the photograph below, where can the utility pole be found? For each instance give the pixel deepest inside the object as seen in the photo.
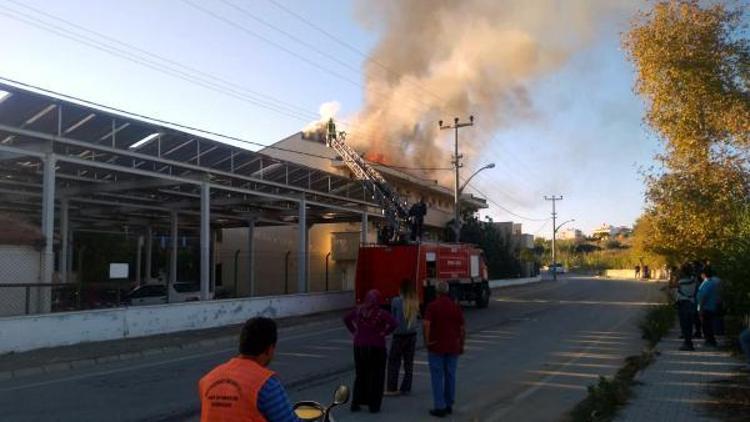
(554, 199)
(456, 165)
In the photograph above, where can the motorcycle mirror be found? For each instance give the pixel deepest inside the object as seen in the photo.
(341, 395)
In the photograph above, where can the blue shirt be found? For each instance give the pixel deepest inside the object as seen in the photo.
(274, 404)
(708, 295)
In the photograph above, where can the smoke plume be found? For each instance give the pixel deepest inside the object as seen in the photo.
(440, 59)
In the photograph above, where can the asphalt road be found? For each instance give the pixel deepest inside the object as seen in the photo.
(530, 356)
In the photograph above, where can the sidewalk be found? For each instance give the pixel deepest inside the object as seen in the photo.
(35, 362)
(678, 386)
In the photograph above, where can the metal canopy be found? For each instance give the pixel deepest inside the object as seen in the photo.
(115, 170)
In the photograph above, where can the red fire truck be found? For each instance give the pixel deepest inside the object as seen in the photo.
(395, 258)
(383, 267)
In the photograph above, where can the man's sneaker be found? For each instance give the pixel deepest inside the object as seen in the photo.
(438, 413)
(391, 393)
(687, 348)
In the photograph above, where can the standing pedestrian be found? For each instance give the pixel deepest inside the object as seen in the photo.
(745, 344)
(370, 325)
(637, 271)
(685, 298)
(405, 308)
(697, 270)
(708, 305)
(444, 335)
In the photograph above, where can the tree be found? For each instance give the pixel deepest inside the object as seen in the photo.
(692, 65)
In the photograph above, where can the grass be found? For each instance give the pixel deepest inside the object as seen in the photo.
(606, 397)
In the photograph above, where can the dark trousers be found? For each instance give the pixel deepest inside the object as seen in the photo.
(369, 377)
(709, 321)
(402, 349)
(697, 323)
(686, 312)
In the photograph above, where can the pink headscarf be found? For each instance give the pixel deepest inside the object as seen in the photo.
(371, 303)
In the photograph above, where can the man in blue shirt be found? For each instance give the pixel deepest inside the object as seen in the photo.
(244, 389)
(708, 304)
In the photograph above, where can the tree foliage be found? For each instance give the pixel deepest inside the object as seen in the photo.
(692, 65)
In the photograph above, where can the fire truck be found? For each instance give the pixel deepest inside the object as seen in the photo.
(385, 265)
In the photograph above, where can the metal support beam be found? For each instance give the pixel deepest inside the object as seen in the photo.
(139, 262)
(64, 239)
(205, 240)
(302, 248)
(363, 230)
(251, 255)
(48, 218)
(172, 253)
(149, 252)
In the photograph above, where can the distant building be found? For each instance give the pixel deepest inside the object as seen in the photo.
(516, 241)
(571, 234)
(606, 231)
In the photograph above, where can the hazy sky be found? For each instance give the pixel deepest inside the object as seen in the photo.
(585, 139)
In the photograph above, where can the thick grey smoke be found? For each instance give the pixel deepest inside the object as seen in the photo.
(437, 59)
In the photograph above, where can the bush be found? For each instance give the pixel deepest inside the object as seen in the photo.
(657, 323)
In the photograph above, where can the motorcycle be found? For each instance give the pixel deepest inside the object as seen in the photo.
(315, 412)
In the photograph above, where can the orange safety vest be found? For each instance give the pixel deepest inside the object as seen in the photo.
(229, 393)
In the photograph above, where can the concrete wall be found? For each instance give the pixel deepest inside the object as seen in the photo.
(24, 333)
(656, 274)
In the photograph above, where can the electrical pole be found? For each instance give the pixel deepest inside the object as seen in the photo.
(456, 165)
(554, 199)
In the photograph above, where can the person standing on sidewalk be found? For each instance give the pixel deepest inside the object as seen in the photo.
(745, 344)
(370, 325)
(708, 304)
(405, 308)
(685, 298)
(444, 335)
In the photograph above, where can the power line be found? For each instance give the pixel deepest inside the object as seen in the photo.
(505, 209)
(162, 58)
(279, 46)
(170, 123)
(348, 46)
(62, 32)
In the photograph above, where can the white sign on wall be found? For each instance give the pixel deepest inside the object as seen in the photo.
(117, 270)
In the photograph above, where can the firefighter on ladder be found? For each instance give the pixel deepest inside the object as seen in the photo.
(416, 214)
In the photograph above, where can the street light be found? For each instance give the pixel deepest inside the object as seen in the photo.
(554, 252)
(457, 223)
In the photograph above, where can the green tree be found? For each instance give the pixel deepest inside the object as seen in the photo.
(692, 65)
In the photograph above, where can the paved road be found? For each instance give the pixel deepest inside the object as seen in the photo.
(530, 356)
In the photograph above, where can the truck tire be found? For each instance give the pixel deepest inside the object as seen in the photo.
(483, 295)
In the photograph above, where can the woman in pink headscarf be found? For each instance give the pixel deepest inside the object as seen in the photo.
(370, 325)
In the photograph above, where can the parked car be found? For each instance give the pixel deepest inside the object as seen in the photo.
(155, 294)
(558, 268)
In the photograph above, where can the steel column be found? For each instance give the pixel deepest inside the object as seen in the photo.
(172, 254)
(65, 240)
(48, 218)
(251, 255)
(149, 252)
(205, 240)
(302, 248)
(363, 229)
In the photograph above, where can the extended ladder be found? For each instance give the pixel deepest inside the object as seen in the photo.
(395, 209)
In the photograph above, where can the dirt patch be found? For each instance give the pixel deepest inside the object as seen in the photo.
(730, 398)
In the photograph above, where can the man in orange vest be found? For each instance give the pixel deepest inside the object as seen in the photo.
(244, 389)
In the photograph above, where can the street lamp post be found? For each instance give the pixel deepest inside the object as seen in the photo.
(554, 252)
(457, 221)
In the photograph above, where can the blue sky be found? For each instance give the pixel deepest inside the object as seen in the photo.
(584, 141)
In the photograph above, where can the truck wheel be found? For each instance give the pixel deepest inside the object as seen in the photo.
(483, 296)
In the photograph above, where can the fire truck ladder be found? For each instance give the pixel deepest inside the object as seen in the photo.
(395, 208)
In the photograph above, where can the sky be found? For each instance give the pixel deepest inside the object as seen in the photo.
(584, 140)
